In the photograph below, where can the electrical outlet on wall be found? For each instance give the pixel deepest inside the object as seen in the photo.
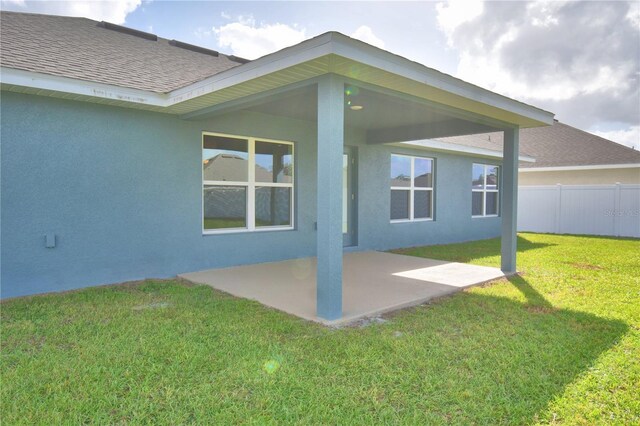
(50, 240)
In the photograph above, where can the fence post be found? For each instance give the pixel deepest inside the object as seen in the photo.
(558, 208)
(616, 209)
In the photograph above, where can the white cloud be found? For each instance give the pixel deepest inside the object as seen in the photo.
(454, 13)
(247, 39)
(543, 13)
(487, 38)
(13, 5)
(201, 32)
(365, 33)
(577, 59)
(487, 71)
(114, 11)
(629, 137)
(634, 14)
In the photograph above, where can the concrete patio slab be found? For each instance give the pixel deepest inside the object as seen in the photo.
(373, 283)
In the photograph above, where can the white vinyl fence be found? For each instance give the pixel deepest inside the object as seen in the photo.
(580, 209)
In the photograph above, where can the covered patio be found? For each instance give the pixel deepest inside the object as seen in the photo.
(358, 96)
(372, 283)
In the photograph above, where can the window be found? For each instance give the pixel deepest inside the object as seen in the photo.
(484, 190)
(247, 184)
(411, 188)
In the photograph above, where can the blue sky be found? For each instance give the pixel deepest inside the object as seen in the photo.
(580, 60)
(391, 22)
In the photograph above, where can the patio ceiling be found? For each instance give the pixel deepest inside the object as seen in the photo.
(387, 117)
(379, 110)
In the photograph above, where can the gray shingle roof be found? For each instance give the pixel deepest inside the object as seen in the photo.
(557, 145)
(79, 48)
(232, 168)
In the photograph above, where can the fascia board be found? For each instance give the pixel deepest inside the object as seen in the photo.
(285, 58)
(575, 168)
(432, 145)
(16, 77)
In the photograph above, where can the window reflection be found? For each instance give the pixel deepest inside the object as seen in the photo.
(273, 206)
(423, 172)
(225, 159)
(225, 207)
(274, 162)
(400, 171)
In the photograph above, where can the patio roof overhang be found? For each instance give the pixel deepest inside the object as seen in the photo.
(299, 65)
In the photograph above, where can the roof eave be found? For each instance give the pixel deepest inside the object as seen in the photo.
(334, 43)
(433, 145)
(10, 77)
(581, 167)
(331, 46)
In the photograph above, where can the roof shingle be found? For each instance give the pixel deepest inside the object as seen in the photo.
(80, 48)
(557, 145)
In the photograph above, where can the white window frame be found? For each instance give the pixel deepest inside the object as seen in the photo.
(412, 188)
(484, 190)
(251, 185)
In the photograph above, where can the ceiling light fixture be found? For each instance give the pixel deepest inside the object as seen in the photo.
(352, 97)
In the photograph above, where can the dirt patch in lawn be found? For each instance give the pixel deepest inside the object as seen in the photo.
(155, 305)
(540, 309)
(587, 266)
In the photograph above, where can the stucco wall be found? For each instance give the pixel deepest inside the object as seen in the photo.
(580, 177)
(452, 205)
(121, 190)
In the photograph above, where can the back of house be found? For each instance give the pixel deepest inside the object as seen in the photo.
(127, 156)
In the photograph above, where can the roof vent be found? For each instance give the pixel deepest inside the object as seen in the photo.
(238, 59)
(193, 48)
(130, 31)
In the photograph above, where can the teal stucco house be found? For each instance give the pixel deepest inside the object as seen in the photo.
(126, 156)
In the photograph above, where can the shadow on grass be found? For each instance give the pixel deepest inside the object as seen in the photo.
(468, 251)
(466, 359)
(534, 298)
(494, 360)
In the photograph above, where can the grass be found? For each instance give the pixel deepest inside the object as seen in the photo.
(560, 344)
(218, 223)
(222, 223)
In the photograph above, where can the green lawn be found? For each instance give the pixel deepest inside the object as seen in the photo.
(560, 344)
(218, 223)
(222, 223)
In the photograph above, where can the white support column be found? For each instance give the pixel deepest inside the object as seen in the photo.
(329, 234)
(509, 244)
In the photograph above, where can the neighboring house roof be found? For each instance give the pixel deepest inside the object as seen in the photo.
(558, 145)
(423, 181)
(232, 168)
(82, 49)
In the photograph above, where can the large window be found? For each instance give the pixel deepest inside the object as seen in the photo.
(247, 184)
(411, 188)
(484, 190)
